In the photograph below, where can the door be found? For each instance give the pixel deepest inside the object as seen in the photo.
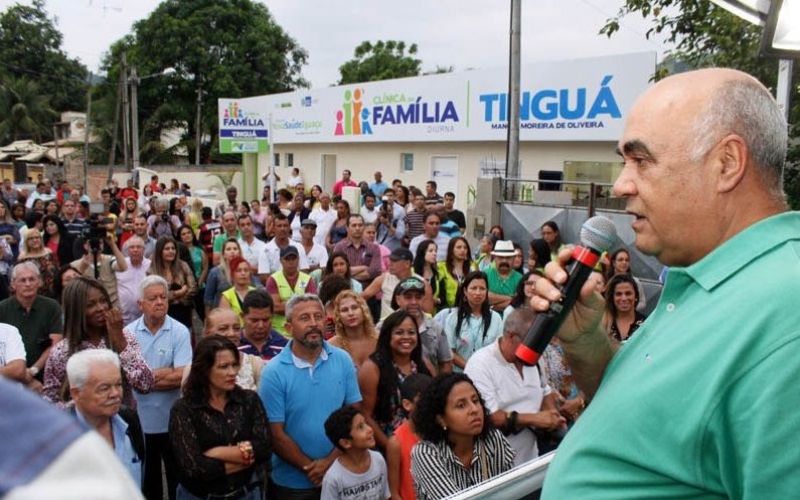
(444, 171)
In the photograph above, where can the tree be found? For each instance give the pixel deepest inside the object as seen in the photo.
(706, 36)
(219, 48)
(24, 112)
(30, 48)
(382, 61)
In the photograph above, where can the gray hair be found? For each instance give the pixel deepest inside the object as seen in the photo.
(519, 320)
(162, 203)
(299, 299)
(152, 280)
(28, 266)
(80, 364)
(745, 108)
(128, 242)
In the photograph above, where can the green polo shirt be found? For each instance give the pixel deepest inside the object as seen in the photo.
(502, 286)
(44, 318)
(701, 403)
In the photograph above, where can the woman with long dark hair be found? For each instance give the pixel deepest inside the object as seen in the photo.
(473, 324)
(425, 265)
(199, 259)
(182, 285)
(339, 264)
(552, 236)
(621, 319)
(458, 446)
(298, 214)
(620, 263)
(338, 230)
(58, 239)
(454, 269)
(397, 355)
(91, 323)
(524, 293)
(538, 254)
(218, 431)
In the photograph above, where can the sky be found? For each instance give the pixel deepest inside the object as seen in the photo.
(465, 34)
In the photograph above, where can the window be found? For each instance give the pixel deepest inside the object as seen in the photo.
(406, 162)
(289, 160)
(276, 159)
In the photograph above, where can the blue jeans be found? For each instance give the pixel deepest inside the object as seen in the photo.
(184, 494)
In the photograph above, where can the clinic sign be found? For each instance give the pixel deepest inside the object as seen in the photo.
(242, 126)
(578, 100)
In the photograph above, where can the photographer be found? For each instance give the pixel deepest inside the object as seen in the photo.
(161, 223)
(391, 225)
(107, 265)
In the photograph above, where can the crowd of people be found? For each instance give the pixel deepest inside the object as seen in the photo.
(384, 307)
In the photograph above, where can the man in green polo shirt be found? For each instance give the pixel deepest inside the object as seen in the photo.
(701, 402)
(38, 319)
(502, 277)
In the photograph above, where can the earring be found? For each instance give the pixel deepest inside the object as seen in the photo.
(444, 427)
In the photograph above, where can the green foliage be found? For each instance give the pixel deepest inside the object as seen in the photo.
(24, 112)
(222, 48)
(30, 48)
(707, 36)
(381, 61)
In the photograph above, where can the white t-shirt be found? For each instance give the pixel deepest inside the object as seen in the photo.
(269, 260)
(11, 346)
(252, 251)
(324, 220)
(341, 484)
(503, 388)
(318, 256)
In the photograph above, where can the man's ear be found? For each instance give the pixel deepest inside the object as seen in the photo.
(732, 159)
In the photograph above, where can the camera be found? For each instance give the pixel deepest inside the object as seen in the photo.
(94, 231)
(165, 217)
(385, 206)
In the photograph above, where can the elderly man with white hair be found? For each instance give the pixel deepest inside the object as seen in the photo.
(165, 346)
(128, 280)
(95, 384)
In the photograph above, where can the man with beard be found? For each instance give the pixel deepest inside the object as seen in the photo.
(231, 206)
(502, 278)
(300, 387)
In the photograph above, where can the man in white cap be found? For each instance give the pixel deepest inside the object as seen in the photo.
(502, 278)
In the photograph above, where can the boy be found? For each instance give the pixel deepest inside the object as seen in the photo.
(358, 472)
(398, 448)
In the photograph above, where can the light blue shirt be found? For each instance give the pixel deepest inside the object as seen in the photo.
(470, 338)
(168, 348)
(378, 188)
(123, 448)
(302, 396)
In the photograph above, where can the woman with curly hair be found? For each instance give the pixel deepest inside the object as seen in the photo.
(182, 285)
(458, 446)
(397, 355)
(473, 324)
(353, 329)
(91, 323)
(621, 318)
(453, 270)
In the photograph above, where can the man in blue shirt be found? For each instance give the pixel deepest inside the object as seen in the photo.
(378, 187)
(300, 387)
(166, 348)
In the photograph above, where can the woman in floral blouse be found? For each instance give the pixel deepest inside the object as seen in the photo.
(91, 323)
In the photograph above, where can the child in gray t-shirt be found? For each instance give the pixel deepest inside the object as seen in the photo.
(359, 473)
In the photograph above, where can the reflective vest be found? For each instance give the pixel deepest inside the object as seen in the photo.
(286, 292)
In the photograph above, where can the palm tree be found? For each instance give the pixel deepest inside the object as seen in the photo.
(24, 112)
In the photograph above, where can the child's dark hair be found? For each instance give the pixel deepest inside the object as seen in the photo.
(413, 385)
(339, 423)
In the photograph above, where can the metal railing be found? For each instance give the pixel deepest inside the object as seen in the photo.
(592, 195)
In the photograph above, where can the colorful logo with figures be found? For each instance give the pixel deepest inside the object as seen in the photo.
(241, 131)
(353, 118)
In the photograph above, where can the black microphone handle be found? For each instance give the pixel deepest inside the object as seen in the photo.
(546, 324)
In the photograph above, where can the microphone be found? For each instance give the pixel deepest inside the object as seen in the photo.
(598, 235)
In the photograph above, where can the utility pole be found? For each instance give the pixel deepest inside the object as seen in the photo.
(198, 135)
(512, 145)
(125, 107)
(135, 119)
(86, 131)
(112, 152)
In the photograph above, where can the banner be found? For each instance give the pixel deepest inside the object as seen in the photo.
(242, 126)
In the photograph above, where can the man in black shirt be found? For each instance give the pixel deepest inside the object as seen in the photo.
(453, 214)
